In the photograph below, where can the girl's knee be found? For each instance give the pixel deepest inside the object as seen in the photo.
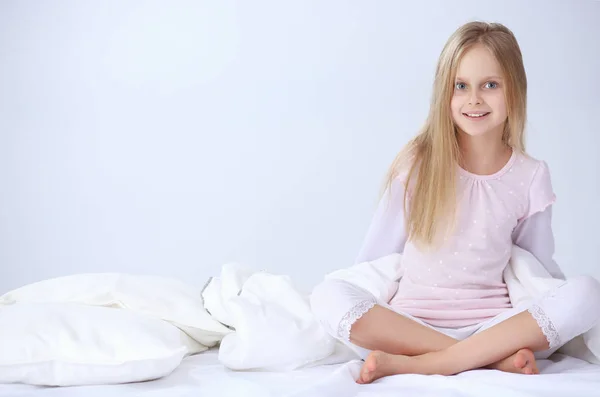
(569, 311)
(332, 299)
(318, 298)
(325, 292)
(585, 291)
(576, 306)
(590, 285)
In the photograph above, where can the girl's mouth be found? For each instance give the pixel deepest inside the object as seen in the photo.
(476, 115)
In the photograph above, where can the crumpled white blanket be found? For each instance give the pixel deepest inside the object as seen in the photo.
(275, 329)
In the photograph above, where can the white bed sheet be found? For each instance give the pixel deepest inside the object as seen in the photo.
(203, 376)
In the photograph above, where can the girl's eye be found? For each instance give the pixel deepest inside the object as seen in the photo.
(491, 84)
(460, 86)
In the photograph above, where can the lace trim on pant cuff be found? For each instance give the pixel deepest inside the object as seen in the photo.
(352, 316)
(546, 325)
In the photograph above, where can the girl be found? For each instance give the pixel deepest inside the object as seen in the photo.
(458, 197)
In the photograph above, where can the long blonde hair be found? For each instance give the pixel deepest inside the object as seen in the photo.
(431, 157)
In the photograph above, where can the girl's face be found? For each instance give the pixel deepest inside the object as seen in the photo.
(478, 105)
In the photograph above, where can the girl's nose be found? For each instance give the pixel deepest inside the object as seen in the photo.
(474, 99)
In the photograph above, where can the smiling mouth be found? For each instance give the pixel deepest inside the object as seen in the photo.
(476, 115)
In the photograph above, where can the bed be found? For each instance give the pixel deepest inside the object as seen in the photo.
(103, 330)
(203, 375)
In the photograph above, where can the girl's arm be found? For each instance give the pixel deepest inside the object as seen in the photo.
(386, 233)
(534, 231)
(535, 235)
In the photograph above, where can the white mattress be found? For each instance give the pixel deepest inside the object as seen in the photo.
(203, 376)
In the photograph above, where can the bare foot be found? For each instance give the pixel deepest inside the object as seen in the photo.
(379, 364)
(522, 362)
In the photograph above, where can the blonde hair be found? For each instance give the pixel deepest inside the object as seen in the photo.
(431, 157)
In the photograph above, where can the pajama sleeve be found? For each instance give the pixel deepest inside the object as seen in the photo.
(534, 230)
(535, 235)
(541, 194)
(386, 233)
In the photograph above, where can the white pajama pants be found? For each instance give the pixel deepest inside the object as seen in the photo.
(562, 313)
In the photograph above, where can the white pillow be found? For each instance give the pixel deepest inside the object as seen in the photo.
(161, 297)
(65, 344)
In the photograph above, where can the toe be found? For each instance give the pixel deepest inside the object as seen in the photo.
(365, 374)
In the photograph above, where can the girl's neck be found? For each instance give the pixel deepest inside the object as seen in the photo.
(483, 155)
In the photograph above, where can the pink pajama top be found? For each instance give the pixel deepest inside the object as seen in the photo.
(461, 283)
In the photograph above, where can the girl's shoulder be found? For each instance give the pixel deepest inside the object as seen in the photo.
(532, 177)
(530, 171)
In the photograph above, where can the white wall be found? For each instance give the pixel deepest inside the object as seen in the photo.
(171, 137)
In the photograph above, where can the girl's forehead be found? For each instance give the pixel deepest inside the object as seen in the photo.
(478, 61)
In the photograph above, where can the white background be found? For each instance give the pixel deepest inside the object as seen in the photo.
(168, 138)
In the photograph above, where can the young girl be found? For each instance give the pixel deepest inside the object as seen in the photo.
(458, 197)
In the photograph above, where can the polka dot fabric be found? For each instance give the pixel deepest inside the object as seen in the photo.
(461, 283)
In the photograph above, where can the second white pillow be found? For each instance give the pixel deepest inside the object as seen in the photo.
(66, 344)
